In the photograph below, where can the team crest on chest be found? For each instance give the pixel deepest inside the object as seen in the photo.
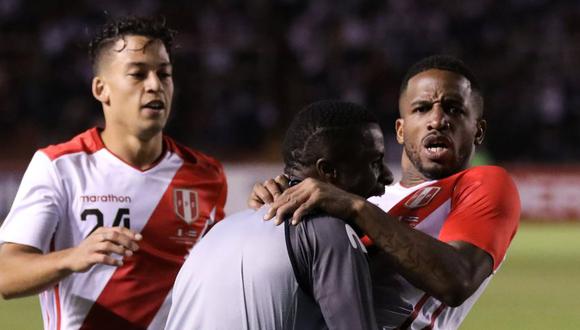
(422, 197)
(185, 202)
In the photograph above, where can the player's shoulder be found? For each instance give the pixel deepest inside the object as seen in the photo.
(321, 220)
(324, 225)
(485, 172)
(328, 232)
(88, 142)
(490, 179)
(237, 221)
(192, 156)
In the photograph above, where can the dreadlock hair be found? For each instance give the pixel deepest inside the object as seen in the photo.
(309, 135)
(445, 63)
(110, 32)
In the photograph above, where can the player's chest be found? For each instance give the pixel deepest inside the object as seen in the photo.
(171, 206)
(424, 209)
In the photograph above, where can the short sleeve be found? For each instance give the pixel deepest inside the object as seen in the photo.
(485, 211)
(37, 206)
(338, 272)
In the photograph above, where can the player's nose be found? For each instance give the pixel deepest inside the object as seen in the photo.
(386, 176)
(152, 83)
(438, 118)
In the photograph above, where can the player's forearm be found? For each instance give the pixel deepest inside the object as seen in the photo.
(429, 264)
(25, 273)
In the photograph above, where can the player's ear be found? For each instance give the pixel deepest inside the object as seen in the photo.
(480, 132)
(326, 170)
(399, 123)
(100, 90)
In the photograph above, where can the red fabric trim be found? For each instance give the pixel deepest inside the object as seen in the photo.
(416, 310)
(57, 306)
(88, 141)
(434, 316)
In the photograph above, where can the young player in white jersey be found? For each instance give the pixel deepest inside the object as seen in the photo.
(448, 226)
(102, 223)
(250, 274)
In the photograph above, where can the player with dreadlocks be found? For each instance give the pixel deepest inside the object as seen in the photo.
(102, 223)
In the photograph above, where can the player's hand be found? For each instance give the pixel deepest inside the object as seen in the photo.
(311, 194)
(98, 248)
(267, 192)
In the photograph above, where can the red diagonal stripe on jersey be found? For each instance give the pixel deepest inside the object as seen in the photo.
(137, 290)
(403, 212)
(416, 310)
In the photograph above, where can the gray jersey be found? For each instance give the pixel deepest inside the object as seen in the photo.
(245, 273)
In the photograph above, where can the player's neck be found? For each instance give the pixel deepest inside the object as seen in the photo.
(137, 152)
(411, 176)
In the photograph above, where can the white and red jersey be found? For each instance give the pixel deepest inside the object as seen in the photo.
(479, 206)
(72, 188)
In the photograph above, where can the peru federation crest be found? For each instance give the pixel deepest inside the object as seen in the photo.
(185, 202)
(422, 197)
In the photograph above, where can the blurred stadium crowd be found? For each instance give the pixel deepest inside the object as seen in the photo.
(243, 68)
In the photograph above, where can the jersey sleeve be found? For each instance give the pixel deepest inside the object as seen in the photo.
(485, 211)
(37, 206)
(336, 274)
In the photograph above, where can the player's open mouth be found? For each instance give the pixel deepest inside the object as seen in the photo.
(436, 146)
(154, 105)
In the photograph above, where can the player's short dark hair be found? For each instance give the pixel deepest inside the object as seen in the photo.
(316, 125)
(152, 27)
(445, 63)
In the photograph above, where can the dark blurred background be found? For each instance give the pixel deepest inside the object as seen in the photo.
(243, 68)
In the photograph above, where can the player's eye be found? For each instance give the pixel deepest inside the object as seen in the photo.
(164, 75)
(421, 108)
(455, 110)
(137, 75)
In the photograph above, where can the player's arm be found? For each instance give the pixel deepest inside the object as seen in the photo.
(339, 277)
(25, 270)
(26, 265)
(450, 271)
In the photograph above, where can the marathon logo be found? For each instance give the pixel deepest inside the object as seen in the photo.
(110, 198)
(422, 197)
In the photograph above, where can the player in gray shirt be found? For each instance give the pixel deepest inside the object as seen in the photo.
(250, 274)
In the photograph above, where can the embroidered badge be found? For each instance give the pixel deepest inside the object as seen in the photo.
(422, 197)
(185, 202)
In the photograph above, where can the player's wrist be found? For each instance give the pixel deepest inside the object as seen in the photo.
(357, 206)
(64, 262)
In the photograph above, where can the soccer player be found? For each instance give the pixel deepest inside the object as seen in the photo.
(102, 223)
(448, 226)
(250, 274)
